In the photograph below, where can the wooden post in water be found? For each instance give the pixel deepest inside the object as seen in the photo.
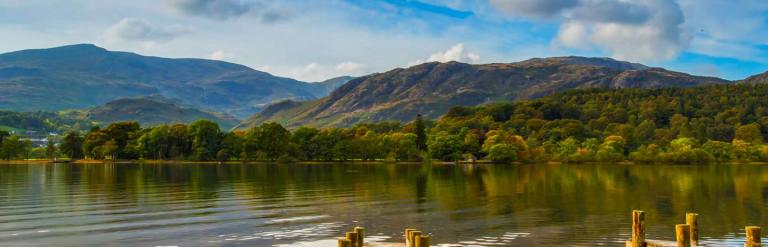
(691, 219)
(360, 236)
(414, 235)
(683, 234)
(352, 236)
(753, 236)
(638, 228)
(344, 242)
(422, 241)
(408, 236)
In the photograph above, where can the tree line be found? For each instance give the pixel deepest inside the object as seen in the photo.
(677, 125)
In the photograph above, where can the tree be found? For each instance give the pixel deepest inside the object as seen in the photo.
(50, 148)
(93, 140)
(445, 147)
(270, 139)
(749, 133)
(612, 149)
(722, 151)
(222, 155)
(10, 148)
(421, 133)
(3, 135)
(567, 147)
(72, 145)
(303, 138)
(125, 135)
(109, 150)
(502, 153)
(206, 139)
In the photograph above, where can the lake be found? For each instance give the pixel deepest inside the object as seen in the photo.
(312, 204)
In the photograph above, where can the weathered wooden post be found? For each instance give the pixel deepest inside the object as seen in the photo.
(422, 241)
(408, 236)
(683, 234)
(344, 242)
(691, 219)
(360, 231)
(638, 228)
(352, 236)
(414, 235)
(753, 236)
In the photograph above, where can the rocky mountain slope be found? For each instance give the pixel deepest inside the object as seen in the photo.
(432, 88)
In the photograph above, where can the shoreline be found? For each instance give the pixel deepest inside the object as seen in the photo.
(434, 162)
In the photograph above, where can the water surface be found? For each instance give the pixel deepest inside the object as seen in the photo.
(311, 205)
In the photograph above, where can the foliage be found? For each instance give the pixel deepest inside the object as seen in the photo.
(678, 125)
(502, 153)
(444, 146)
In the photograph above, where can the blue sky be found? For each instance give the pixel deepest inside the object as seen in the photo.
(314, 40)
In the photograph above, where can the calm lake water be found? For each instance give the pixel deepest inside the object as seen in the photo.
(311, 205)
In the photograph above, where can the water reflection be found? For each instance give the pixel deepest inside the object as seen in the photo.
(310, 205)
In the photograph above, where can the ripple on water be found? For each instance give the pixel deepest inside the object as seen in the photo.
(292, 233)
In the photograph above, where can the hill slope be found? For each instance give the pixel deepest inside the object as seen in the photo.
(432, 88)
(84, 76)
(152, 111)
(755, 79)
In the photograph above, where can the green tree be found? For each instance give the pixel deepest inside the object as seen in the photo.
(270, 139)
(206, 139)
(93, 140)
(421, 133)
(502, 153)
(125, 135)
(109, 150)
(3, 135)
(72, 145)
(722, 151)
(304, 137)
(446, 147)
(50, 148)
(10, 148)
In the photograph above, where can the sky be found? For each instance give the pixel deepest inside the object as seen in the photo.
(314, 40)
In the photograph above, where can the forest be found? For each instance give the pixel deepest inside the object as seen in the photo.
(722, 123)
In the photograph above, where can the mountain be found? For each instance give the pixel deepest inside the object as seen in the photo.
(84, 76)
(755, 79)
(324, 88)
(432, 88)
(153, 110)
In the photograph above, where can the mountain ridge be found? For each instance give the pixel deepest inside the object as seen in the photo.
(432, 88)
(84, 75)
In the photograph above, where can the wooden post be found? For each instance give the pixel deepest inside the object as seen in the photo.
(638, 228)
(683, 234)
(691, 219)
(408, 236)
(344, 242)
(414, 235)
(422, 241)
(753, 236)
(352, 236)
(360, 235)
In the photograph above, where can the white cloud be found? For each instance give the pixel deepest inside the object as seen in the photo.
(221, 55)
(455, 53)
(352, 68)
(133, 29)
(638, 30)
